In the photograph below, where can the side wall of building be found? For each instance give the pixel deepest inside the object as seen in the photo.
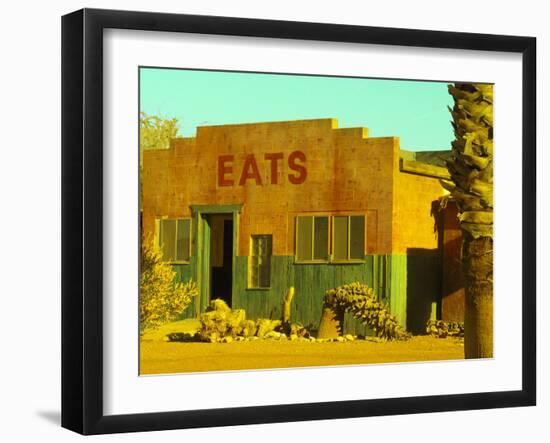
(416, 241)
(452, 303)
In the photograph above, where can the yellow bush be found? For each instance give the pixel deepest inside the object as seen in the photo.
(162, 299)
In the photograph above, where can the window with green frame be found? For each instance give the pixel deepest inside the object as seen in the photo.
(175, 240)
(259, 267)
(312, 235)
(312, 238)
(348, 237)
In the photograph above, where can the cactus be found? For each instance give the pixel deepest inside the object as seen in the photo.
(360, 301)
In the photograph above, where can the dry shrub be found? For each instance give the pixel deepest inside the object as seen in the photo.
(161, 298)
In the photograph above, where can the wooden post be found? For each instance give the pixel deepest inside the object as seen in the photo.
(287, 301)
(286, 309)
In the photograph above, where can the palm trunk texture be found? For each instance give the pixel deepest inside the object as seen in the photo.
(478, 315)
(471, 186)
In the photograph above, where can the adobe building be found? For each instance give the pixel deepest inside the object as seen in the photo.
(249, 210)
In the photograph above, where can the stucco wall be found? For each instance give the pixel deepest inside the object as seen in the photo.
(415, 197)
(346, 173)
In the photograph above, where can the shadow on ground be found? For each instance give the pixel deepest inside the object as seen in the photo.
(54, 417)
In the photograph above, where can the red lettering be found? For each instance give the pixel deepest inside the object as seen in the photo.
(250, 170)
(300, 177)
(274, 158)
(223, 169)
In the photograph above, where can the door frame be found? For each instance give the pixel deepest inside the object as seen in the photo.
(202, 236)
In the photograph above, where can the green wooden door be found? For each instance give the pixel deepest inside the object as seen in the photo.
(203, 261)
(203, 247)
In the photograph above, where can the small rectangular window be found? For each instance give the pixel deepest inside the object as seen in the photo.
(167, 239)
(348, 236)
(357, 237)
(312, 238)
(175, 239)
(259, 269)
(320, 238)
(304, 236)
(340, 238)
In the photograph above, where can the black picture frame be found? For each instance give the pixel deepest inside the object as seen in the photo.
(82, 218)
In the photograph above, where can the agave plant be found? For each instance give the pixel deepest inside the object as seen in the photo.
(360, 301)
(471, 186)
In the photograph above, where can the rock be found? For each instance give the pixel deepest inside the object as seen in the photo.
(248, 328)
(265, 326)
(227, 339)
(349, 337)
(213, 338)
(218, 305)
(340, 339)
(236, 317)
(293, 337)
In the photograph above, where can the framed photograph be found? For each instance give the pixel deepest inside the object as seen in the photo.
(268, 221)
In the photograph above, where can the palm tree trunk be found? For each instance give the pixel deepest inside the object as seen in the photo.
(478, 318)
(471, 186)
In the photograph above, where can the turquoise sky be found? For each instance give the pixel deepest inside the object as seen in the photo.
(415, 111)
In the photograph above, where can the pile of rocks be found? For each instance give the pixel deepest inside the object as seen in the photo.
(221, 324)
(443, 329)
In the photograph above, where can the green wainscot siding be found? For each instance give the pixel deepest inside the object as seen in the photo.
(184, 272)
(408, 285)
(311, 281)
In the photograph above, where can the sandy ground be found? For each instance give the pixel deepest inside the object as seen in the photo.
(161, 357)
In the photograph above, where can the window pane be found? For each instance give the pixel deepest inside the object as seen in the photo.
(264, 245)
(320, 247)
(253, 272)
(357, 236)
(183, 239)
(168, 239)
(260, 262)
(340, 238)
(264, 277)
(304, 226)
(255, 249)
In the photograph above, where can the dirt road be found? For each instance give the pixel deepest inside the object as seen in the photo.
(158, 357)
